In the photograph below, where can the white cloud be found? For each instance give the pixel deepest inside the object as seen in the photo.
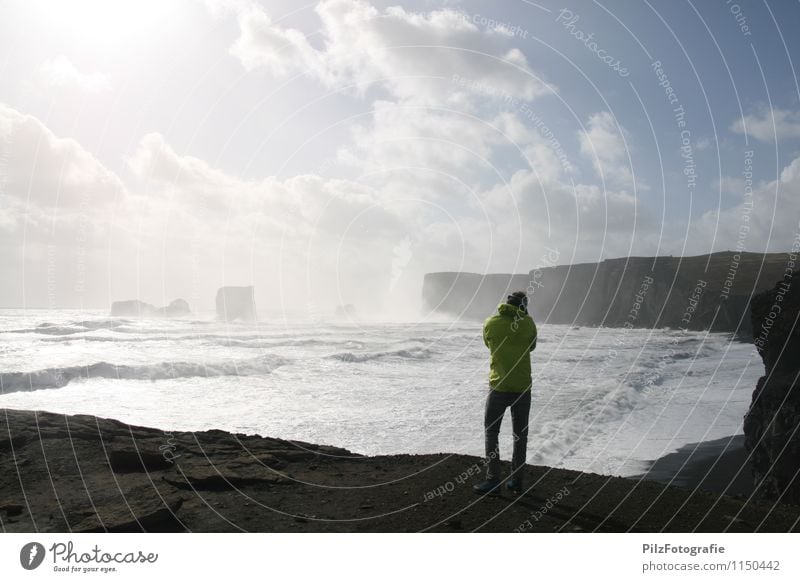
(768, 125)
(221, 8)
(304, 236)
(429, 60)
(703, 143)
(72, 234)
(767, 222)
(56, 203)
(584, 221)
(542, 151)
(412, 55)
(408, 136)
(604, 143)
(182, 226)
(280, 50)
(415, 146)
(191, 186)
(61, 73)
(51, 172)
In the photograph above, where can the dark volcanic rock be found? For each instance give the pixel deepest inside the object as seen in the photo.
(216, 476)
(81, 473)
(704, 292)
(135, 461)
(176, 308)
(772, 424)
(140, 512)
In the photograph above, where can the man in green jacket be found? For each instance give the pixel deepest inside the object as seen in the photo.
(510, 335)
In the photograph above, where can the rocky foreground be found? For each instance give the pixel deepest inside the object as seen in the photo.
(82, 473)
(772, 424)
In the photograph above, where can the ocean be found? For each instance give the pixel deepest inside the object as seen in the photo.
(605, 400)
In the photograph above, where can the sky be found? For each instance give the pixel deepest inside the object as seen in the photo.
(334, 152)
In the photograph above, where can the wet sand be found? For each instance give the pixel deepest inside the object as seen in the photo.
(720, 466)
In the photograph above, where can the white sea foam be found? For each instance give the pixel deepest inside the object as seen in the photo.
(604, 400)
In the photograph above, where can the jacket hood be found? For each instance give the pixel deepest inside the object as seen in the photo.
(511, 310)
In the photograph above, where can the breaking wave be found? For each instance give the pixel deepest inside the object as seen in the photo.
(60, 377)
(411, 353)
(76, 327)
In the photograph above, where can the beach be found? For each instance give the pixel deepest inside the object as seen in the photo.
(81, 473)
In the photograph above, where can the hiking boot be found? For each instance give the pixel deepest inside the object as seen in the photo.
(514, 484)
(488, 487)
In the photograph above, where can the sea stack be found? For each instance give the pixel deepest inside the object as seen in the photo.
(136, 308)
(772, 424)
(176, 308)
(236, 303)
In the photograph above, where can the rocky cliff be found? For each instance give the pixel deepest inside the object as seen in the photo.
(703, 292)
(63, 473)
(772, 424)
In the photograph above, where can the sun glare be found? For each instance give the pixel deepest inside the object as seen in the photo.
(108, 20)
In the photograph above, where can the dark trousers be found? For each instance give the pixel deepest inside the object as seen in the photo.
(496, 404)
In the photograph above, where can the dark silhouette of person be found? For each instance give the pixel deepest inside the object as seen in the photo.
(510, 334)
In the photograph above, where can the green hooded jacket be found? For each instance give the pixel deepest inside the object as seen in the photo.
(510, 335)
